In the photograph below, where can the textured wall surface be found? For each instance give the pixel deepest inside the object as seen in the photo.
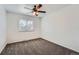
(3, 28)
(62, 27)
(13, 32)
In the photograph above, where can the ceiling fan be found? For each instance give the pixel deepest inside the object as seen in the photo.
(36, 9)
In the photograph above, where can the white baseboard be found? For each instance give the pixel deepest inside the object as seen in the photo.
(3, 46)
(73, 49)
(22, 40)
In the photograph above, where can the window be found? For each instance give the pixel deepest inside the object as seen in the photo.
(26, 25)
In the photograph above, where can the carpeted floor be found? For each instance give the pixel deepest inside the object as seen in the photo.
(36, 47)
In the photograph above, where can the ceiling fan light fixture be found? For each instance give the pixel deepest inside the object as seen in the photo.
(36, 9)
(35, 13)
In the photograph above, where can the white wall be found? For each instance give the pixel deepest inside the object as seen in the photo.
(62, 27)
(13, 33)
(3, 28)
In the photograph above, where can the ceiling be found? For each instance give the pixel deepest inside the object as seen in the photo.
(19, 8)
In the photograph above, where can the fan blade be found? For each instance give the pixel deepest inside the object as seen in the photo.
(28, 8)
(42, 11)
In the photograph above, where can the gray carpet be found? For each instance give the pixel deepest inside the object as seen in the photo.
(36, 47)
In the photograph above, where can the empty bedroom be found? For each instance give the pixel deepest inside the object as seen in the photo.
(39, 29)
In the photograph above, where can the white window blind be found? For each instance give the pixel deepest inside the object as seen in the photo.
(26, 25)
